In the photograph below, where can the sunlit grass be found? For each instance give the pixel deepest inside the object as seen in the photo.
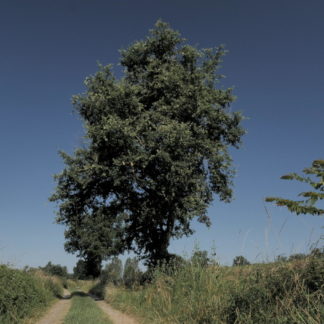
(289, 292)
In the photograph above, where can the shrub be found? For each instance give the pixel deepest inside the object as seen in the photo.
(21, 293)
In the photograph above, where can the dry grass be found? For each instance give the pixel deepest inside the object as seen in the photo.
(289, 292)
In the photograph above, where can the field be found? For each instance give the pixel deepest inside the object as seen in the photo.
(281, 292)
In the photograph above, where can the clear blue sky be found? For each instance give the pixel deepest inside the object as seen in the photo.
(275, 62)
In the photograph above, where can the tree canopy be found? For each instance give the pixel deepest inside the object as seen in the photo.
(240, 260)
(156, 149)
(55, 270)
(306, 205)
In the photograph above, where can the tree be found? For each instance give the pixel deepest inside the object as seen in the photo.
(307, 205)
(156, 150)
(90, 229)
(79, 271)
(55, 270)
(240, 261)
(297, 256)
(87, 269)
(113, 271)
(132, 273)
(200, 258)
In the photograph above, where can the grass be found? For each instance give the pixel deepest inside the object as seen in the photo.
(85, 311)
(285, 293)
(25, 294)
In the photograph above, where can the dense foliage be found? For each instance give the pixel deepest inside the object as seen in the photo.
(200, 258)
(88, 267)
(22, 294)
(307, 205)
(132, 273)
(55, 270)
(156, 151)
(240, 260)
(113, 272)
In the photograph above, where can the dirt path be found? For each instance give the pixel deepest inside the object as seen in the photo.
(116, 316)
(58, 311)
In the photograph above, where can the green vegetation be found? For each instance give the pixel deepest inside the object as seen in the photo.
(115, 275)
(132, 273)
(113, 272)
(305, 206)
(81, 270)
(24, 294)
(279, 292)
(55, 270)
(85, 311)
(240, 260)
(156, 152)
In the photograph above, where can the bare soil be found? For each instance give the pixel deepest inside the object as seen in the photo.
(58, 311)
(116, 316)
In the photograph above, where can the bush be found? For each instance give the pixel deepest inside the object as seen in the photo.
(22, 293)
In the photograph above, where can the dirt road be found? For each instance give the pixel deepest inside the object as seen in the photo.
(116, 316)
(58, 311)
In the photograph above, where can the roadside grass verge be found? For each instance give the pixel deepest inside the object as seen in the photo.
(25, 294)
(85, 311)
(285, 293)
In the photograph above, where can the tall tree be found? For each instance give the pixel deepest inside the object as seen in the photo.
(157, 148)
(306, 205)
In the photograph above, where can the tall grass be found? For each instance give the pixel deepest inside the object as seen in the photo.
(24, 294)
(288, 292)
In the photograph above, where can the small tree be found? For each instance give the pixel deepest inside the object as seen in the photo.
(200, 258)
(113, 271)
(306, 205)
(240, 261)
(55, 270)
(132, 273)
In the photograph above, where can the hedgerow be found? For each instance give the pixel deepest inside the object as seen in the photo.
(23, 294)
